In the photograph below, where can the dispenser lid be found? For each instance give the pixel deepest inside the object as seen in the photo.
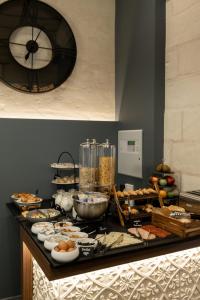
(107, 144)
(89, 143)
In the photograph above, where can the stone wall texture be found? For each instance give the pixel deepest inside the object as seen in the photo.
(89, 93)
(182, 106)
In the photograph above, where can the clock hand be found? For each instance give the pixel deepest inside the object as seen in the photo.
(28, 54)
(18, 44)
(38, 35)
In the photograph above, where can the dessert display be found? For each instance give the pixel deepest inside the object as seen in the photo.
(65, 251)
(41, 226)
(64, 165)
(65, 180)
(37, 215)
(117, 239)
(53, 240)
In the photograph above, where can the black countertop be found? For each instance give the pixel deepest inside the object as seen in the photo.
(111, 257)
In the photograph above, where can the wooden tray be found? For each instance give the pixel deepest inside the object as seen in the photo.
(190, 205)
(175, 226)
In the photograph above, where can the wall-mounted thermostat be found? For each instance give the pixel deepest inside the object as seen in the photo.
(130, 152)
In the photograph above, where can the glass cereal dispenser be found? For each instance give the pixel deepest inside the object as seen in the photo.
(107, 154)
(88, 160)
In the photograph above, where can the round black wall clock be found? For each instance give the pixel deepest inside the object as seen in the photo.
(37, 46)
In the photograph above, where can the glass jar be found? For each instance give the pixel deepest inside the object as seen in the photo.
(88, 160)
(107, 153)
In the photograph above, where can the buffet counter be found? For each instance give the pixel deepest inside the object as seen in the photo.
(167, 268)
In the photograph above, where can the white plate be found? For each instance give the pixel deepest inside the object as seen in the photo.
(20, 203)
(67, 166)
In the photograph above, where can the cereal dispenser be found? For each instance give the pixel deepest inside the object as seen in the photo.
(88, 160)
(106, 166)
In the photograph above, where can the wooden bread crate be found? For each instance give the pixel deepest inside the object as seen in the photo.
(190, 205)
(175, 226)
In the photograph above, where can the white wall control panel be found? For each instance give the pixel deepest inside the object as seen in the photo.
(130, 152)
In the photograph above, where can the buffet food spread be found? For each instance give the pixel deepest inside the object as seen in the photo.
(94, 220)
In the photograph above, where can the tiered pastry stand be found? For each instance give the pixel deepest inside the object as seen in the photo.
(60, 169)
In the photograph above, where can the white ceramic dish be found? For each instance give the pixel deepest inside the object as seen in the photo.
(52, 241)
(76, 236)
(42, 236)
(61, 225)
(41, 226)
(70, 229)
(64, 257)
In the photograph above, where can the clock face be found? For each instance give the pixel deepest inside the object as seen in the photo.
(37, 46)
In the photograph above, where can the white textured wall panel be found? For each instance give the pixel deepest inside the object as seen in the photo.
(171, 277)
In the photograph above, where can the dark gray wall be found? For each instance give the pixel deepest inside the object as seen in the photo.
(26, 149)
(28, 146)
(140, 75)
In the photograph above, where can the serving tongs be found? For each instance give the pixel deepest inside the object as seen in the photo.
(181, 215)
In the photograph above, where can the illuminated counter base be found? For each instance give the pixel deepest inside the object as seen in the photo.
(168, 277)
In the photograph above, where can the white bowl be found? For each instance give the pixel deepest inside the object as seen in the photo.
(80, 235)
(70, 229)
(52, 241)
(41, 226)
(64, 257)
(64, 224)
(42, 236)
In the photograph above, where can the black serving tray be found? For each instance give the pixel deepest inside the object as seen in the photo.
(107, 224)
